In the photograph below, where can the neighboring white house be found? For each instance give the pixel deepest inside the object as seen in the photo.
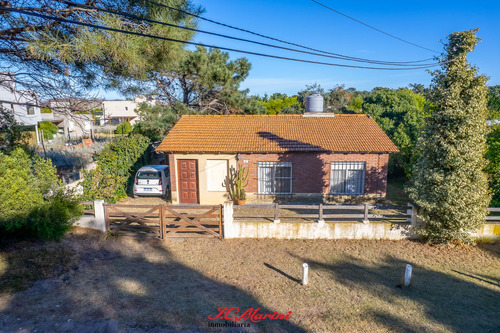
(66, 114)
(118, 111)
(22, 103)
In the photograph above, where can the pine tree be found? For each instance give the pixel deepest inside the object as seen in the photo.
(448, 181)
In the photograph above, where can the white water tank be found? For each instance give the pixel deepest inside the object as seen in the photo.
(314, 103)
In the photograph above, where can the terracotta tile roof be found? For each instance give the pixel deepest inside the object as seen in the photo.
(280, 133)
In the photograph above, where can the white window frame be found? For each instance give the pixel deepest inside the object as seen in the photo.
(274, 165)
(348, 167)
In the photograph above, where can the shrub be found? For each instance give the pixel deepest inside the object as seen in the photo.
(53, 219)
(33, 201)
(116, 163)
(124, 128)
(48, 128)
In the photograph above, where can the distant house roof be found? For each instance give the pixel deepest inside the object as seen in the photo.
(276, 134)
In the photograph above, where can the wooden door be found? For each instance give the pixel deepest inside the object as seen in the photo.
(188, 181)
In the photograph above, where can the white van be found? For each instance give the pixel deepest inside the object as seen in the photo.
(152, 180)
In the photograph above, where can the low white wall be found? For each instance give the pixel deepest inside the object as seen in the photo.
(312, 230)
(334, 230)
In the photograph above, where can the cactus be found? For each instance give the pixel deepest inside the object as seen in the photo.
(236, 182)
(240, 182)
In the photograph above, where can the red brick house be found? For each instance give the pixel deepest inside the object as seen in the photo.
(322, 156)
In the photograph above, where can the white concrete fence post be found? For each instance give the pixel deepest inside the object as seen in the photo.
(321, 220)
(407, 276)
(99, 215)
(305, 273)
(413, 212)
(365, 214)
(276, 213)
(228, 220)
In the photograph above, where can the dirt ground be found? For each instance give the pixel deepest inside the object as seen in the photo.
(146, 285)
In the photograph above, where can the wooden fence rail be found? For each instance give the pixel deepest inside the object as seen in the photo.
(320, 215)
(165, 221)
(88, 211)
(493, 218)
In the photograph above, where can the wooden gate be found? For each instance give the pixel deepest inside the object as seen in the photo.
(165, 221)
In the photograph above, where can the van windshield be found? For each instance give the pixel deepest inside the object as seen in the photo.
(148, 175)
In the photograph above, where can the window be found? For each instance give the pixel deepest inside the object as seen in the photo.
(148, 175)
(216, 175)
(30, 109)
(347, 178)
(126, 108)
(275, 177)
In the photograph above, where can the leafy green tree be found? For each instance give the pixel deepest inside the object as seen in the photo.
(356, 103)
(337, 99)
(494, 102)
(279, 102)
(400, 113)
(310, 89)
(449, 183)
(493, 168)
(237, 102)
(204, 80)
(156, 121)
(48, 128)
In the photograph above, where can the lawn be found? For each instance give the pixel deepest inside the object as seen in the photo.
(156, 286)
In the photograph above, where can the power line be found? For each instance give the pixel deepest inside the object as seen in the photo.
(203, 45)
(385, 63)
(372, 27)
(276, 39)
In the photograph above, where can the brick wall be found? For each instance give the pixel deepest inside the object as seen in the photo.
(311, 171)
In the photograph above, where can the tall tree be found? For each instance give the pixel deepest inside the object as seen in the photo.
(400, 113)
(205, 80)
(494, 102)
(448, 180)
(54, 57)
(310, 89)
(493, 168)
(157, 120)
(337, 99)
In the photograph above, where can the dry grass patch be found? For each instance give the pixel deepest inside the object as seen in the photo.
(26, 262)
(146, 284)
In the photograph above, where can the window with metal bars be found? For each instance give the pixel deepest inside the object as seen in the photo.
(347, 178)
(275, 177)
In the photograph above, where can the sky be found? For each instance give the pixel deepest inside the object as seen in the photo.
(426, 23)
